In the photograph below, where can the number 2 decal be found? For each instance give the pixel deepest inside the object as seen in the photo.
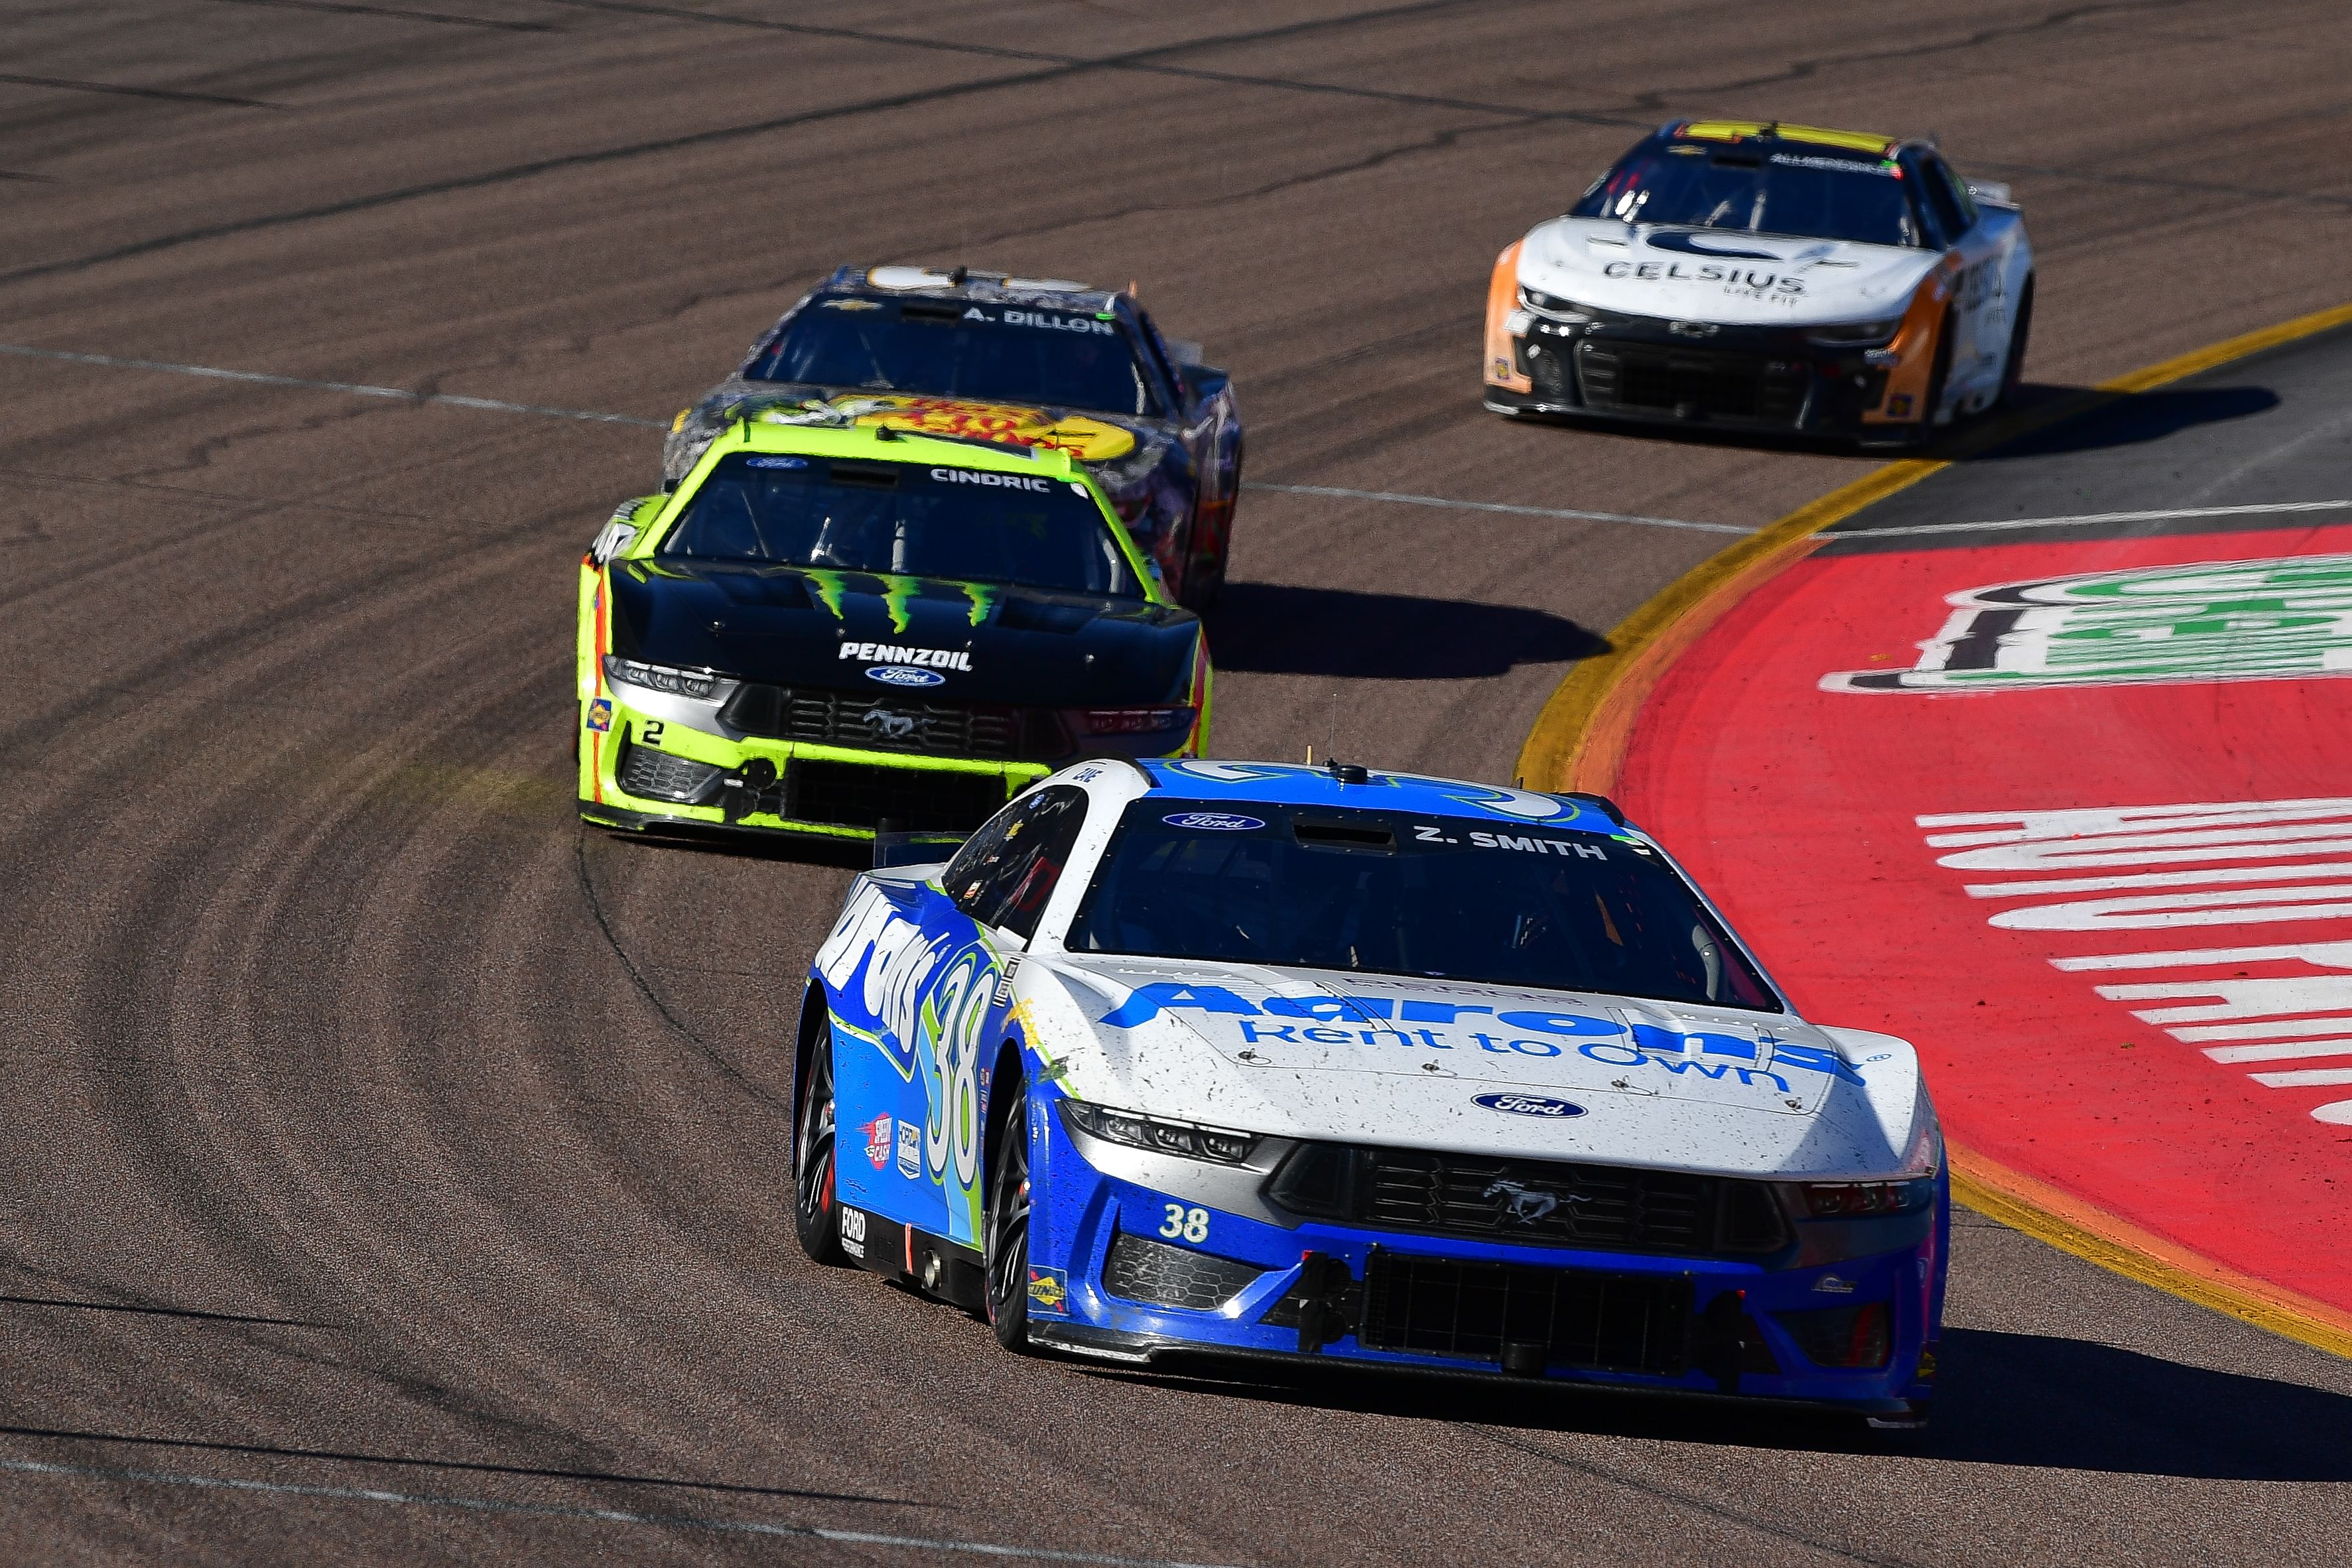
(1192, 1225)
(651, 733)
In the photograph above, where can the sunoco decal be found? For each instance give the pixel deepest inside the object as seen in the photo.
(2282, 619)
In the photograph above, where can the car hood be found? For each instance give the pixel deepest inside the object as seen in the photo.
(1484, 1069)
(1718, 275)
(978, 642)
(1115, 447)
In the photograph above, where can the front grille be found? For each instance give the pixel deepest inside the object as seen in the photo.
(657, 775)
(1692, 384)
(1532, 1202)
(916, 800)
(1568, 1319)
(1165, 1276)
(894, 723)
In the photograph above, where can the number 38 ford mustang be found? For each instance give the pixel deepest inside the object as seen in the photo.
(1345, 1066)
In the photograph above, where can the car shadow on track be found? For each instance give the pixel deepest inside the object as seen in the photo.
(2040, 419)
(782, 848)
(1275, 628)
(2007, 1399)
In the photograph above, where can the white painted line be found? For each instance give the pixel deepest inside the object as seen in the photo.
(2004, 524)
(357, 389)
(500, 406)
(602, 1515)
(2278, 1053)
(2317, 1078)
(1572, 515)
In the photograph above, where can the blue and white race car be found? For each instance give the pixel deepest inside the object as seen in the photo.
(1266, 1060)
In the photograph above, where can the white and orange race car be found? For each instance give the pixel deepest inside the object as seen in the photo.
(1751, 275)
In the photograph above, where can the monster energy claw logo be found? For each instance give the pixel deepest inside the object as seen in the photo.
(2210, 620)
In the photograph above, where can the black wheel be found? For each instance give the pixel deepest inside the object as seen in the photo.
(1007, 1222)
(2012, 372)
(814, 1205)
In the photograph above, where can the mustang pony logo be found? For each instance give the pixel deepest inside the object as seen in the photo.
(888, 725)
(1528, 1205)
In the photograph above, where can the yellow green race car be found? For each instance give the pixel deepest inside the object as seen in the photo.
(844, 631)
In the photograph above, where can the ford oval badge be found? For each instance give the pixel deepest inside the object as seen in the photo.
(1530, 1105)
(1214, 821)
(904, 674)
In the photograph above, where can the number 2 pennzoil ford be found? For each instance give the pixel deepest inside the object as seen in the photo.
(828, 631)
(1254, 1060)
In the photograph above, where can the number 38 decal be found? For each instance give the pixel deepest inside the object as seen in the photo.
(1192, 1225)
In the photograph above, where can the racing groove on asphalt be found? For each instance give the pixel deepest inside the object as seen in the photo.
(376, 1137)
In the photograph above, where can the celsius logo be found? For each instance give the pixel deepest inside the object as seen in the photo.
(1688, 245)
(1530, 1105)
(1213, 822)
(904, 674)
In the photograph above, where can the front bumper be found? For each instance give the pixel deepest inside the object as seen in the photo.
(1135, 1272)
(1757, 379)
(638, 771)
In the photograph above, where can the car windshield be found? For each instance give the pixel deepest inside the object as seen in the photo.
(910, 519)
(945, 348)
(1804, 192)
(1387, 893)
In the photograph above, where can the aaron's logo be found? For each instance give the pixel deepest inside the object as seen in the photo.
(2210, 620)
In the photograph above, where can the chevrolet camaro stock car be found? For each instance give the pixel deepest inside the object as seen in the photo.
(1767, 276)
(830, 631)
(1030, 361)
(1342, 1065)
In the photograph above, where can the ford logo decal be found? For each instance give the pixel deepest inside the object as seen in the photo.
(1530, 1105)
(1214, 821)
(904, 674)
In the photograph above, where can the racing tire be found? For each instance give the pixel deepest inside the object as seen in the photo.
(816, 1217)
(2012, 368)
(1005, 1225)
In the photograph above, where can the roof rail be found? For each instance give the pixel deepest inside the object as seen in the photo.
(1141, 772)
(1607, 808)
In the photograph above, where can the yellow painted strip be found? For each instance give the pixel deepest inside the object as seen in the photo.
(2116, 1245)
(1579, 740)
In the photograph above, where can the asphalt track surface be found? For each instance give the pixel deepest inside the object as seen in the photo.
(396, 1172)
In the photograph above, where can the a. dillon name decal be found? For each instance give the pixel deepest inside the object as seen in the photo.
(1381, 1021)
